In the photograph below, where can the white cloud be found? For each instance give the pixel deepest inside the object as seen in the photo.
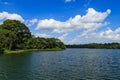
(63, 36)
(91, 21)
(108, 35)
(6, 15)
(31, 22)
(42, 35)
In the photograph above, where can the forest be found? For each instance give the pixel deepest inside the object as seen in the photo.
(15, 35)
(96, 45)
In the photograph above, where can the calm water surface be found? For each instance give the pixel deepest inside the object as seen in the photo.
(71, 64)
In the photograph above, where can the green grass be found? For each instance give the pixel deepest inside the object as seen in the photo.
(18, 51)
(6, 51)
(51, 49)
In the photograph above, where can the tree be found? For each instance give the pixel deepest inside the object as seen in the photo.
(44, 43)
(21, 30)
(7, 39)
(16, 35)
(1, 49)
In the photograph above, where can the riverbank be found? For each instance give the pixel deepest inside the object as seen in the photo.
(6, 51)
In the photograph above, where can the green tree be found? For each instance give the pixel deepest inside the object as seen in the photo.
(7, 39)
(21, 30)
(1, 49)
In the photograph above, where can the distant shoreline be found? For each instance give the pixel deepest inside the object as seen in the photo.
(93, 48)
(96, 46)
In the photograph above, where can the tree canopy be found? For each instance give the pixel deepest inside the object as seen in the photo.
(7, 39)
(21, 30)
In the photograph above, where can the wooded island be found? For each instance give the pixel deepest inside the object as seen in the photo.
(15, 35)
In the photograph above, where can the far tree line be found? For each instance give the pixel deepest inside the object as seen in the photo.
(96, 45)
(16, 35)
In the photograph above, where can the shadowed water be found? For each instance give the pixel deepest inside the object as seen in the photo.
(70, 64)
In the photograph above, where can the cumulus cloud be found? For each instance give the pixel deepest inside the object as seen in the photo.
(108, 35)
(91, 21)
(12, 16)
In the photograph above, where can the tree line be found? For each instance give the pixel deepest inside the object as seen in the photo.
(96, 45)
(16, 35)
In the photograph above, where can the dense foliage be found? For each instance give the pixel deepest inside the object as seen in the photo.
(16, 35)
(1, 49)
(95, 45)
(7, 39)
(20, 30)
(44, 43)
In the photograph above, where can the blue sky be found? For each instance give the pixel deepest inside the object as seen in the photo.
(72, 21)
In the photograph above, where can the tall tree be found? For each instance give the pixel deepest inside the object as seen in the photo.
(21, 30)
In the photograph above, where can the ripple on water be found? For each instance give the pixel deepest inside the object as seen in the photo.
(71, 64)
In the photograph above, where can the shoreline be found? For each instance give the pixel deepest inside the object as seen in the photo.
(30, 50)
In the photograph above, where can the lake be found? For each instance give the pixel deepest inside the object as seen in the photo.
(70, 64)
